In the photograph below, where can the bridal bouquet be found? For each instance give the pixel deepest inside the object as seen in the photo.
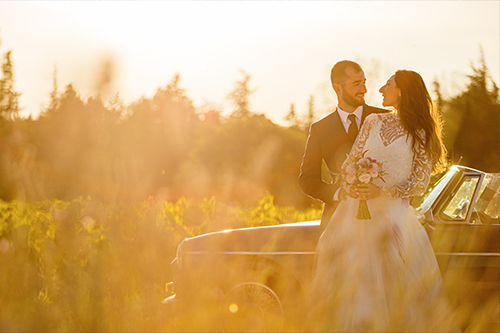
(362, 170)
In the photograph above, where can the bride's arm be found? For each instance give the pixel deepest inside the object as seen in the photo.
(417, 182)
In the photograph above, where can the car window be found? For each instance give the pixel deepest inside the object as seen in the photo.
(458, 206)
(432, 193)
(487, 207)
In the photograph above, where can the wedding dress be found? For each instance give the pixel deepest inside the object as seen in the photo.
(381, 275)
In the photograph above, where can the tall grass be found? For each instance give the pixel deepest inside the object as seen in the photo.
(91, 266)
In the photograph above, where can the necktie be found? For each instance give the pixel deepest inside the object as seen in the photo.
(353, 127)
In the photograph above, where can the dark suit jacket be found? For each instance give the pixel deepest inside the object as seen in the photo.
(327, 141)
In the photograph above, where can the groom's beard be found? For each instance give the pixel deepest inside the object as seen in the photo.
(351, 100)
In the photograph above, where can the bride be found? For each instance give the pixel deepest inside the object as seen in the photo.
(380, 274)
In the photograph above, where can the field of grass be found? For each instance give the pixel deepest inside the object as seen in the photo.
(98, 267)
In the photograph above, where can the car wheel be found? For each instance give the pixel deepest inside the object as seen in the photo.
(252, 307)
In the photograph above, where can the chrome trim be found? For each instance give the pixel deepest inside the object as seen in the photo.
(485, 254)
(170, 300)
(452, 222)
(251, 253)
(482, 254)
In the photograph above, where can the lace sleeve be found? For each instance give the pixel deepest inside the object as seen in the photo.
(417, 182)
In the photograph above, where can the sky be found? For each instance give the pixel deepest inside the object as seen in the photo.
(287, 47)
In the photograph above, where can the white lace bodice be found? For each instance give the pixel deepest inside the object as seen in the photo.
(406, 173)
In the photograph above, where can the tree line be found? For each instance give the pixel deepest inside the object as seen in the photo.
(165, 147)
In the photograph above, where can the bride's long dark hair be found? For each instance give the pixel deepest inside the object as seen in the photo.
(417, 113)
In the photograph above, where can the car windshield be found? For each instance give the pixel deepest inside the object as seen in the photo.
(432, 193)
(488, 201)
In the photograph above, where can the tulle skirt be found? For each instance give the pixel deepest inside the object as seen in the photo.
(377, 275)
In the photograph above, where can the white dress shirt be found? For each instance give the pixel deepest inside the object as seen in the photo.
(346, 122)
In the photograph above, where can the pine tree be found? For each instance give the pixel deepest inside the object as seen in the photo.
(439, 96)
(54, 96)
(310, 112)
(9, 97)
(472, 122)
(240, 96)
(291, 117)
(116, 107)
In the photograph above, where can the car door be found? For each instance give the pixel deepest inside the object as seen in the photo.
(466, 240)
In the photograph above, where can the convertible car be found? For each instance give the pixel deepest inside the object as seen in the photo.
(255, 279)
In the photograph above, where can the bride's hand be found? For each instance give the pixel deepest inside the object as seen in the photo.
(352, 192)
(367, 191)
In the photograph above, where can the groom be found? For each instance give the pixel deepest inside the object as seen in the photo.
(331, 138)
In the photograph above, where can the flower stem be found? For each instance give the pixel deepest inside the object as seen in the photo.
(363, 212)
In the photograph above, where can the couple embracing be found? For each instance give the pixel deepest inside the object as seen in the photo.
(375, 271)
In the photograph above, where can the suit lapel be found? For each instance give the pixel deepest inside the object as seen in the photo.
(338, 131)
(336, 144)
(338, 127)
(366, 111)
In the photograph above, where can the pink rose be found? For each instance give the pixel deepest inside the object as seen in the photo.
(373, 170)
(350, 179)
(362, 161)
(350, 170)
(365, 178)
